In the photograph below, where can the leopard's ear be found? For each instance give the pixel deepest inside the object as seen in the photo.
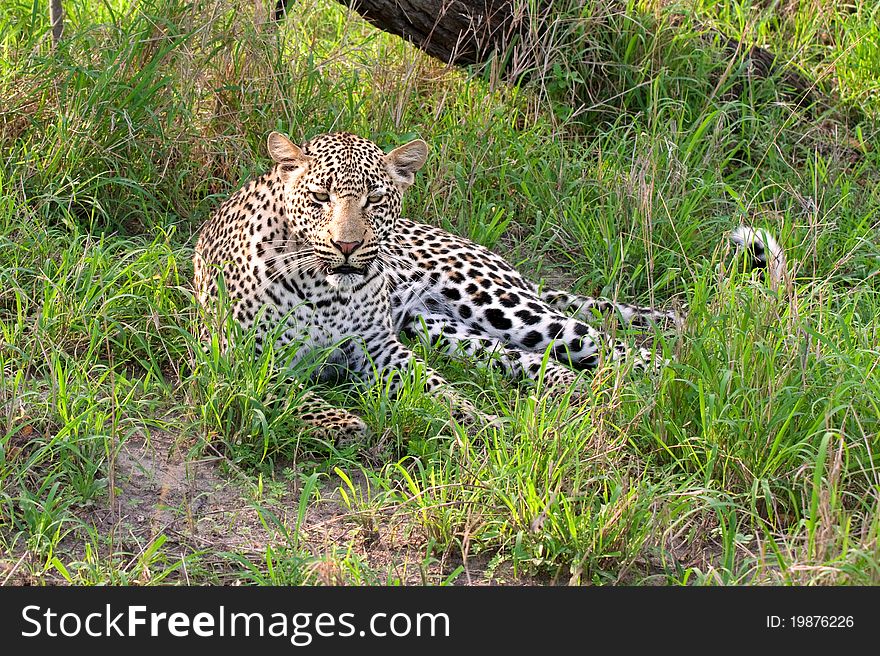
(283, 149)
(403, 162)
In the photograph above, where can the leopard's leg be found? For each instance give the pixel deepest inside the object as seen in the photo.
(329, 422)
(579, 344)
(388, 359)
(518, 317)
(325, 420)
(631, 315)
(526, 322)
(457, 339)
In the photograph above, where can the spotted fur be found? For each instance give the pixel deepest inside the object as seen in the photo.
(317, 244)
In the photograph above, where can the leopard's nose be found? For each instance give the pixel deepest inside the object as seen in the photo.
(347, 247)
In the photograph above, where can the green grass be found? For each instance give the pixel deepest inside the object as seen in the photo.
(131, 454)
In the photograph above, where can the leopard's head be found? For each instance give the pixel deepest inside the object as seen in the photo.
(342, 196)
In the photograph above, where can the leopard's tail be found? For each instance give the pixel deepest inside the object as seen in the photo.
(763, 251)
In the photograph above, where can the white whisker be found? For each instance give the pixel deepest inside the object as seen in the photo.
(305, 262)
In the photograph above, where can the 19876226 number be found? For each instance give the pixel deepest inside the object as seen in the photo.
(810, 622)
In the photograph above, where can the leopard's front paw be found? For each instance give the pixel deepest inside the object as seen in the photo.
(342, 428)
(477, 420)
(467, 414)
(648, 360)
(353, 431)
(674, 320)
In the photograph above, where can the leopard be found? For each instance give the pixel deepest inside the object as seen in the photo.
(315, 251)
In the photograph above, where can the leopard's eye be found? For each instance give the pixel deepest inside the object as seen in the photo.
(321, 196)
(372, 199)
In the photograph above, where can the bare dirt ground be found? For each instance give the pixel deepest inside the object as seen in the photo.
(196, 507)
